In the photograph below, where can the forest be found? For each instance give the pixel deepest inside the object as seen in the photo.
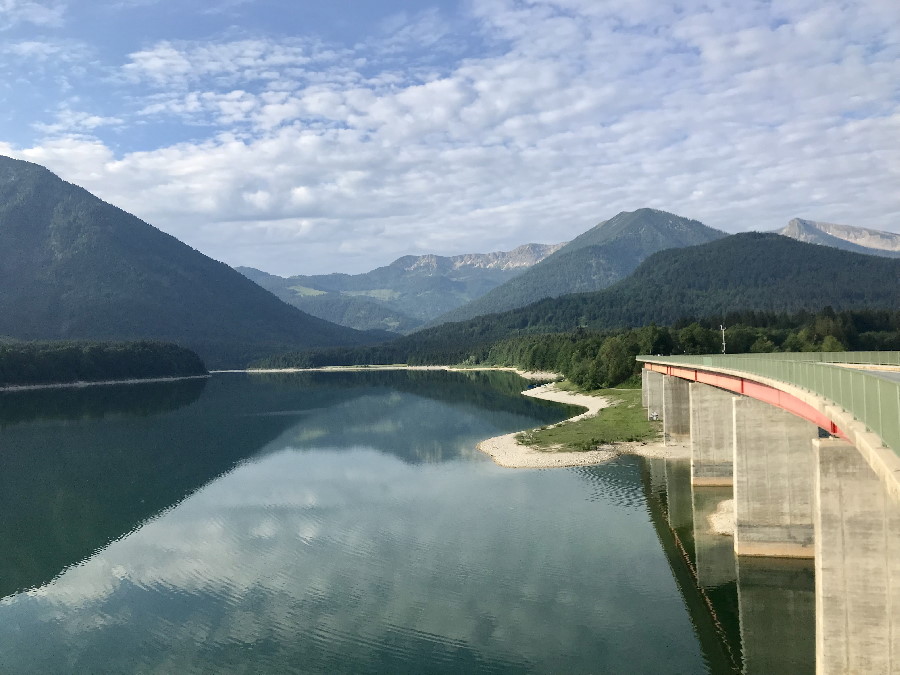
(31, 363)
(595, 359)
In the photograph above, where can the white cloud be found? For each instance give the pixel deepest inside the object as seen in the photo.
(319, 158)
(70, 121)
(14, 12)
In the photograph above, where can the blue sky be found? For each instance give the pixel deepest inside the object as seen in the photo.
(310, 137)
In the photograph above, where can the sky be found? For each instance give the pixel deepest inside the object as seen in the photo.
(306, 137)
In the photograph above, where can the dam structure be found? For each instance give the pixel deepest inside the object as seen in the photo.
(808, 447)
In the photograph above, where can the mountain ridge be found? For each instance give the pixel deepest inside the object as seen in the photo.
(75, 267)
(406, 293)
(846, 237)
(595, 259)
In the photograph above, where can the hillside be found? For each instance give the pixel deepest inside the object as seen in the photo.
(742, 272)
(846, 237)
(402, 296)
(592, 261)
(75, 267)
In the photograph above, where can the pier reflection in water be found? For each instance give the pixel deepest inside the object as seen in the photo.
(754, 616)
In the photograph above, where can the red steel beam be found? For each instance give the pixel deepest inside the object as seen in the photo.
(753, 389)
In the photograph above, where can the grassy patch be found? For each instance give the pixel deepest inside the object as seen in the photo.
(626, 420)
(305, 291)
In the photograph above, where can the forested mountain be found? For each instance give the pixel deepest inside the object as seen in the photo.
(742, 273)
(846, 237)
(749, 271)
(401, 296)
(75, 267)
(592, 261)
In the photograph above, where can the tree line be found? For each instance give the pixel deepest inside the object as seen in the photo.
(28, 363)
(594, 359)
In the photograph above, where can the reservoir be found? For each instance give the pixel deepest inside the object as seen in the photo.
(345, 523)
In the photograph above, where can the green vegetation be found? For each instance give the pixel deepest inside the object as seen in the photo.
(594, 359)
(401, 296)
(303, 291)
(63, 362)
(740, 273)
(601, 256)
(626, 420)
(73, 267)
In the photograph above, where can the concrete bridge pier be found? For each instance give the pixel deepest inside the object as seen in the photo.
(857, 564)
(653, 392)
(712, 454)
(676, 410)
(773, 481)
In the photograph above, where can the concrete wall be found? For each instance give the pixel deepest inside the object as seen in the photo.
(773, 481)
(857, 530)
(676, 409)
(712, 454)
(653, 384)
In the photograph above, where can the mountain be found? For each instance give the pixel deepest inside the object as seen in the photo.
(402, 296)
(592, 261)
(846, 237)
(741, 272)
(75, 267)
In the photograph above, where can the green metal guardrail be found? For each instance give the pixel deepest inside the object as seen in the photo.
(872, 400)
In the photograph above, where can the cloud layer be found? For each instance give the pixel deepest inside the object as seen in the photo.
(504, 123)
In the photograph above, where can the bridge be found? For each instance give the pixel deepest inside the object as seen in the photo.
(809, 445)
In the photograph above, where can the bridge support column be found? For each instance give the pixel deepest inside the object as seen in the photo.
(712, 454)
(857, 565)
(653, 385)
(773, 481)
(676, 409)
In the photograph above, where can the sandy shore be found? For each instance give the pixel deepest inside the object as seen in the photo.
(507, 452)
(102, 383)
(527, 374)
(722, 520)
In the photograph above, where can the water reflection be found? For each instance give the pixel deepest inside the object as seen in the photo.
(93, 464)
(97, 402)
(356, 561)
(754, 616)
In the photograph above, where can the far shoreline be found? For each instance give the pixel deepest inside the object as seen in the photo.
(81, 384)
(535, 375)
(505, 450)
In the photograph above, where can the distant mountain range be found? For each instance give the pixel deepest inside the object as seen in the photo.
(75, 267)
(846, 237)
(749, 271)
(402, 296)
(606, 253)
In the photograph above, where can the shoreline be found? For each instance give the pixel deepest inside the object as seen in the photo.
(508, 453)
(81, 384)
(504, 450)
(527, 374)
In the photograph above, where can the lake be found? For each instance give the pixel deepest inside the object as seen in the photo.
(331, 523)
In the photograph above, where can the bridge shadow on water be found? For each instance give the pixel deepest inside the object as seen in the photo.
(754, 616)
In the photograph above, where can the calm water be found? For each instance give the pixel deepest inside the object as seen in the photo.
(328, 523)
